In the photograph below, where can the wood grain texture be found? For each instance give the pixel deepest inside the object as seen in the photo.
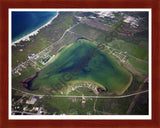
(6, 4)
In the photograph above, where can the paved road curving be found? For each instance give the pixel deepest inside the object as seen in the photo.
(121, 96)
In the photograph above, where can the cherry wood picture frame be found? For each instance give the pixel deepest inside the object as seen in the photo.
(4, 60)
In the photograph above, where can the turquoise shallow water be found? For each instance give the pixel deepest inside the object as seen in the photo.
(100, 68)
(24, 23)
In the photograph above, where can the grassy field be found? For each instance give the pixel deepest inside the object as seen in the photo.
(140, 53)
(140, 66)
(114, 106)
(73, 106)
(131, 48)
(101, 69)
(91, 33)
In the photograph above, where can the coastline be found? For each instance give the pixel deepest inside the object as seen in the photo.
(35, 32)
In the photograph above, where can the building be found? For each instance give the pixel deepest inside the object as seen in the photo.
(33, 100)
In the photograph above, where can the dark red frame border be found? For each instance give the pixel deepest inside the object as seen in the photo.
(6, 4)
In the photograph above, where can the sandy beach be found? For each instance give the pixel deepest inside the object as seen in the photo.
(26, 37)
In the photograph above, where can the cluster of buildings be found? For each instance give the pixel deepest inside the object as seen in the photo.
(79, 85)
(131, 20)
(19, 68)
(46, 59)
(120, 56)
(23, 65)
(32, 60)
(33, 56)
(106, 14)
(28, 107)
(33, 100)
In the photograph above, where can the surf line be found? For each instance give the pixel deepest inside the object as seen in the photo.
(67, 76)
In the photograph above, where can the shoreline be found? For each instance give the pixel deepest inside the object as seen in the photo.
(35, 32)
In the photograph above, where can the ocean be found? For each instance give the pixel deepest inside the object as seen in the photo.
(24, 23)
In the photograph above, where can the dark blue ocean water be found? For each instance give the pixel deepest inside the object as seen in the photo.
(24, 23)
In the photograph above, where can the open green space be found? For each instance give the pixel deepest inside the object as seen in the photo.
(115, 106)
(131, 48)
(101, 69)
(69, 106)
(139, 66)
(91, 33)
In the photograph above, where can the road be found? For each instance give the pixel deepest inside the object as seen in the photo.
(110, 97)
(27, 92)
(22, 113)
(121, 96)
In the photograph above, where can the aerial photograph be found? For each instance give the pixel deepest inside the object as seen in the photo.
(79, 62)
